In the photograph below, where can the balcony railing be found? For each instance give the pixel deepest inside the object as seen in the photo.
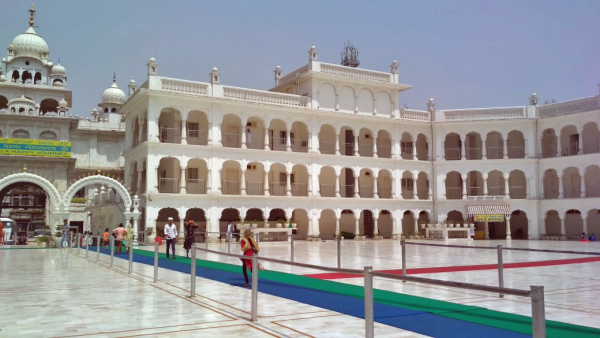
(496, 190)
(384, 151)
(327, 190)
(570, 149)
(516, 152)
(277, 189)
(230, 187)
(452, 154)
(255, 141)
(300, 146)
(494, 153)
(571, 191)
(254, 188)
(473, 153)
(278, 143)
(365, 150)
(327, 147)
(551, 191)
(232, 140)
(170, 135)
(384, 191)
(196, 186)
(475, 191)
(423, 192)
(549, 150)
(453, 193)
(365, 191)
(407, 193)
(347, 191)
(592, 190)
(518, 192)
(348, 149)
(168, 185)
(570, 107)
(197, 137)
(299, 189)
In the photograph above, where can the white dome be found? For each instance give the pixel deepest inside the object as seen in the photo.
(113, 94)
(63, 103)
(30, 44)
(58, 70)
(132, 82)
(22, 101)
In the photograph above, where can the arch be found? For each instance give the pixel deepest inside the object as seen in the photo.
(384, 103)
(327, 223)
(495, 183)
(47, 186)
(473, 145)
(346, 141)
(422, 148)
(15, 76)
(299, 180)
(169, 175)
(384, 183)
(549, 143)
(384, 144)
(228, 215)
(278, 134)
(406, 146)
(20, 133)
(26, 77)
(453, 185)
(452, 147)
(348, 222)
(300, 217)
(230, 178)
(196, 214)
(365, 101)
(366, 224)
(102, 180)
(592, 181)
(455, 217)
(197, 128)
(48, 106)
(37, 79)
(162, 219)
(365, 142)
(347, 99)
(550, 181)
(48, 135)
(385, 224)
(365, 183)
(327, 96)
(277, 215)
(169, 124)
(254, 215)
(515, 144)
(424, 217)
(327, 139)
(196, 176)
(569, 140)
(474, 183)
(299, 137)
(3, 102)
(408, 185)
(571, 182)
(422, 186)
(231, 131)
(552, 223)
(519, 225)
(590, 137)
(517, 184)
(573, 224)
(494, 146)
(408, 223)
(347, 182)
(327, 179)
(593, 221)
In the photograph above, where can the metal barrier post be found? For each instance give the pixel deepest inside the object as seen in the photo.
(369, 321)
(98, 244)
(254, 314)
(193, 272)
(256, 234)
(87, 245)
(130, 258)
(292, 246)
(155, 262)
(229, 239)
(206, 239)
(78, 243)
(500, 270)
(339, 252)
(112, 251)
(538, 315)
(403, 243)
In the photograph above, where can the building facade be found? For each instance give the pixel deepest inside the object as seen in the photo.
(328, 148)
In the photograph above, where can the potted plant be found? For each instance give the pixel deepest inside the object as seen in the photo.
(57, 238)
(42, 241)
(280, 223)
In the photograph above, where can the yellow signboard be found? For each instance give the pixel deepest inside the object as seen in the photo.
(23, 147)
(488, 218)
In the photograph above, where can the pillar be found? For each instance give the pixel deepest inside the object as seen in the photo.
(266, 184)
(139, 181)
(462, 149)
(485, 185)
(585, 226)
(506, 189)
(181, 228)
(395, 230)
(243, 183)
(394, 147)
(209, 135)
(416, 224)
(580, 143)
(140, 131)
(244, 145)
(487, 230)
(182, 190)
(337, 225)
(310, 142)
(183, 131)
(394, 194)
(414, 150)
(505, 150)
(337, 101)
(356, 146)
(562, 227)
(356, 184)
(310, 183)
(337, 143)
(357, 225)
(375, 227)
(288, 183)
(582, 194)
(266, 140)
(464, 186)
(337, 186)
(558, 146)
(508, 237)
(288, 143)
(560, 187)
(375, 192)
(484, 150)
(415, 191)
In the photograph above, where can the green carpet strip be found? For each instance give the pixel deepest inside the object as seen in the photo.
(473, 314)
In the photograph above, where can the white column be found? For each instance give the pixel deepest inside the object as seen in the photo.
(139, 182)
(416, 225)
(243, 183)
(375, 192)
(394, 187)
(415, 197)
(183, 131)
(337, 101)
(181, 230)
(337, 225)
(356, 146)
(311, 223)
(506, 188)
(375, 147)
(560, 187)
(357, 225)
(585, 226)
(182, 190)
(288, 143)
(337, 186)
(487, 230)
(485, 185)
(484, 150)
(395, 148)
(310, 142)
(140, 131)
(562, 227)
(209, 182)
(220, 183)
(580, 143)
(356, 195)
(375, 227)
(508, 228)
(337, 143)
(462, 149)
(414, 150)
(396, 230)
(505, 151)
(582, 194)
(288, 183)
(558, 146)
(464, 186)
(243, 131)
(266, 184)
(209, 135)
(310, 183)
(266, 140)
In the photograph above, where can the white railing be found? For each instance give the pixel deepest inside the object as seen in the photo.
(168, 185)
(185, 87)
(551, 191)
(278, 144)
(365, 191)
(453, 193)
(570, 149)
(230, 187)
(348, 149)
(265, 97)
(299, 146)
(516, 151)
(347, 191)
(384, 191)
(452, 154)
(497, 190)
(197, 137)
(415, 115)
(355, 73)
(293, 74)
(518, 192)
(549, 150)
(570, 107)
(327, 190)
(473, 153)
(384, 151)
(254, 188)
(592, 190)
(327, 147)
(299, 189)
(365, 150)
(196, 186)
(407, 193)
(277, 189)
(255, 141)
(485, 113)
(572, 191)
(232, 140)
(170, 135)
(475, 191)
(495, 153)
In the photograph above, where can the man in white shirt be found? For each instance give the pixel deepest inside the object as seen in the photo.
(171, 235)
(230, 230)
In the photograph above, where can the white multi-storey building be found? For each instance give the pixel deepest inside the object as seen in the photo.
(327, 148)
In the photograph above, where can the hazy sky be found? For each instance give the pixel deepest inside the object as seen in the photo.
(464, 53)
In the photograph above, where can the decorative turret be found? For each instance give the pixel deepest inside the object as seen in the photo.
(533, 99)
(431, 105)
(277, 75)
(132, 86)
(215, 77)
(152, 66)
(394, 70)
(312, 53)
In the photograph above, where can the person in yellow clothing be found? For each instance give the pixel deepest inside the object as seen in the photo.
(129, 237)
(249, 247)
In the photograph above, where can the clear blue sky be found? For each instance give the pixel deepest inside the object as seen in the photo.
(465, 53)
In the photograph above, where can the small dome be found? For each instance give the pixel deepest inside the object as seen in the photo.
(132, 82)
(30, 44)
(2, 78)
(278, 67)
(62, 103)
(152, 59)
(214, 69)
(58, 70)
(113, 94)
(22, 100)
(431, 99)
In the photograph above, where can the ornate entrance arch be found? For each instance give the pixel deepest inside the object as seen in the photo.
(98, 179)
(43, 183)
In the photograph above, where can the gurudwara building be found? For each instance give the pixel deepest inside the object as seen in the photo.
(327, 148)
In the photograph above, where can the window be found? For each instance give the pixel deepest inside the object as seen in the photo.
(407, 183)
(282, 136)
(282, 178)
(406, 147)
(192, 173)
(192, 126)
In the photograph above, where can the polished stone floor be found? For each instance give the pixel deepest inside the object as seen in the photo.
(571, 291)
(55, 293)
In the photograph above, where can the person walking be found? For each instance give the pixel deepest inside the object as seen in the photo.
(230, 230)
(65, 234)
(190, 237)
(106, 239)
(249, 248)
(120, 231)
(129, 237)
(171, 236)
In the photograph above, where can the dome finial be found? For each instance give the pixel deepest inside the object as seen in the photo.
(114, 77)
(31, 12)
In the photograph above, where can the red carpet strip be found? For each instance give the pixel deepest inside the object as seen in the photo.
(418, 271)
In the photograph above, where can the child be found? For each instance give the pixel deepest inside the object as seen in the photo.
(105, 239)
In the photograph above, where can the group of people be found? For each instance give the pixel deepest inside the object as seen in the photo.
(123, 237)
(591, 238)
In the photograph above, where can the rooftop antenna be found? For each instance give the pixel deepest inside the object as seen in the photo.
(350, 55)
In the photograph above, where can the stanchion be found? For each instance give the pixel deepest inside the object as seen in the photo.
(98, 245)
(538, 314)
(257, 237)
(229, 238)
(130, 258)
(369, 321)
(254, 315)
(87, 246)
(193, 272)
(403, 243)
(112, 251)
(78, 244)
(292, 246)
(339, 252)
(155, 262)
(500, 270)
(206, 239)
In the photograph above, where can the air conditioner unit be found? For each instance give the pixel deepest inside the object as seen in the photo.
(305, 143)
(251, 124)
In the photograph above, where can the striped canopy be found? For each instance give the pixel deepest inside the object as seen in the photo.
(488, 210)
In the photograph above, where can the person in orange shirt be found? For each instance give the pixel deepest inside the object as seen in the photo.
(120, 231)
(1, 233)
(105, 239)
